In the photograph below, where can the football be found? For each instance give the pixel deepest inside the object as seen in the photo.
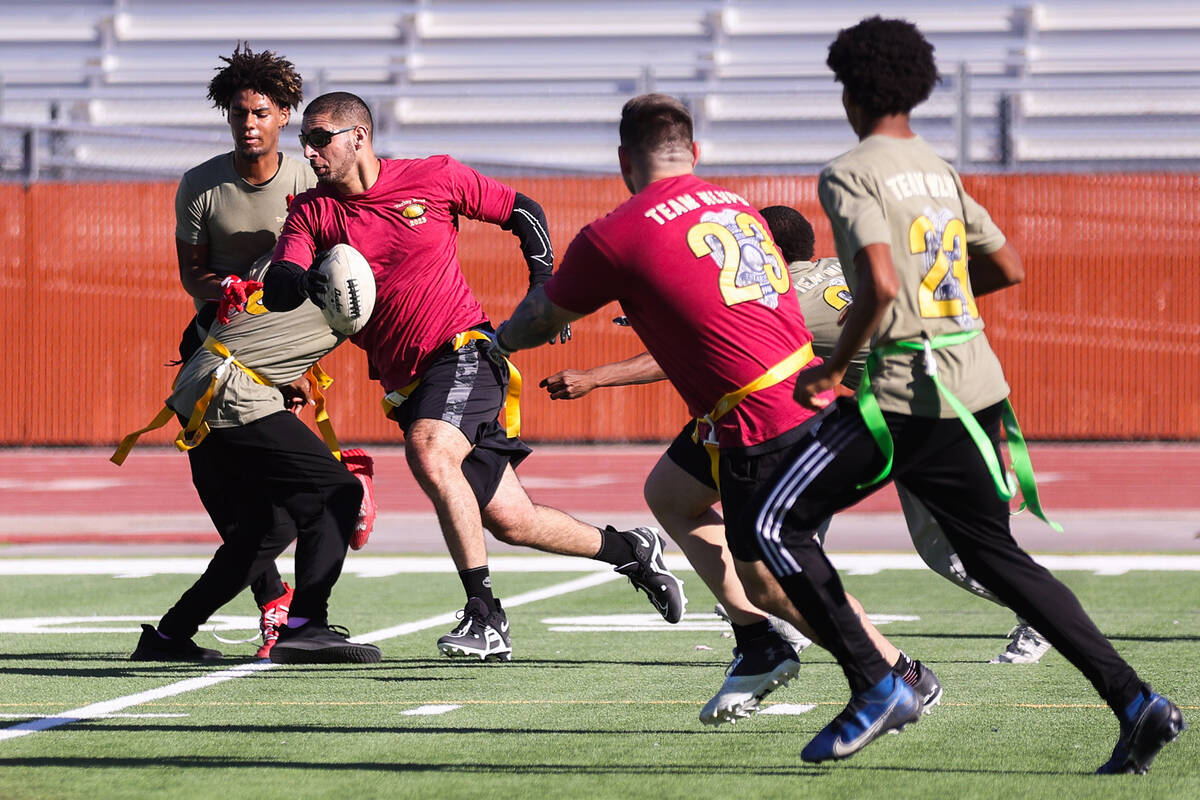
(350, 296)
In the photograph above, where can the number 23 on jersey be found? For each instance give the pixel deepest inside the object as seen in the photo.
(946, 261)
(746, 254)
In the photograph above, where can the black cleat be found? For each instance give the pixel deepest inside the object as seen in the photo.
(320, 643)
(480, 634)
(649, 573)
(926, 685)
(767, 664)
(1157, 723)
(152, 647)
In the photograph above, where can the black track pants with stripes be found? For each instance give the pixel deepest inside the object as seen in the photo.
(937, 461)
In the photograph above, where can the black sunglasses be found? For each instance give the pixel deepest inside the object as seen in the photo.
(319, 137)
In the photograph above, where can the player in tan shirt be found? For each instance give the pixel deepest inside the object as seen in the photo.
(228, 213)
(272, 466)
(917, 251)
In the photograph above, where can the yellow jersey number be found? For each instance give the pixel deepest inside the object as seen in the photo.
(837, 296)
(775, 266)
(951, 258)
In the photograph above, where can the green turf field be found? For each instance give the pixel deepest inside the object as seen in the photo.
(581, 712)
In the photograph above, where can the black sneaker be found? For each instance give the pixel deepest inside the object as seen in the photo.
(317, 642)
(152, 647)
(925, 684)
(1157, 723)
(480, 634)
(649, 573)
(767, 664)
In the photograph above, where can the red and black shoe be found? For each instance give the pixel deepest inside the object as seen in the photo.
(274, 617)
(362, 466)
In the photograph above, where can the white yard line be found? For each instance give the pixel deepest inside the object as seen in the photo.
(108, 707)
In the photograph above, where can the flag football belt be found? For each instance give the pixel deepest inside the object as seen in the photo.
(868, 407)
(512, 398)
(196, 428)
(776, 374)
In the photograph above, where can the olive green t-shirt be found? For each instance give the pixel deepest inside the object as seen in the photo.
(823, 293)
(900, 193)
(238, 220)
(280, 346)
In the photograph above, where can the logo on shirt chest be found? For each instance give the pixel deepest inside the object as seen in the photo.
(413, 211)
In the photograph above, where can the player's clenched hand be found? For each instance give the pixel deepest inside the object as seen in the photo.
(814, 386)
(234, 293)
(568, 384)
(315, 283)
(296, 395)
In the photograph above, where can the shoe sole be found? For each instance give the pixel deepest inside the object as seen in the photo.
(346, 654)
(455, 651)
(741, 710)
(170, 660)
(1005, 658)
(934, 700)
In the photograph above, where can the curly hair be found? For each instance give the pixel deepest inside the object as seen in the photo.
(268, 74)
(886, 65)
(793, 234)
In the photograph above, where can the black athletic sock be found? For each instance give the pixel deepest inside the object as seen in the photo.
(478, 583)
(744, 634)
(906, 669)
(615, 549)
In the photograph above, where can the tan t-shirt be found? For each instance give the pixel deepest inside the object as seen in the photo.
(238, 220)
(278, 345)
(898, 192)
(823, 294)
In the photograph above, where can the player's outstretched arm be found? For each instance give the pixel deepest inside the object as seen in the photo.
(994, 271)
(533, 322)
(571, 384)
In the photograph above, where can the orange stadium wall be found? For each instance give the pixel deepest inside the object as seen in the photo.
(1102, 341)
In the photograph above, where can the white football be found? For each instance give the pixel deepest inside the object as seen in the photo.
(350, 297)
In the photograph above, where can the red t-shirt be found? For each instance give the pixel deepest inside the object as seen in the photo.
(405, 225)
(703, 285)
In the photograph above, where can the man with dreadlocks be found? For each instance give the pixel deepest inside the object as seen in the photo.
(228, 213)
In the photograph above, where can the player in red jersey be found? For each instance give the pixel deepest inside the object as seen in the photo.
(705, 288)
(423, 344)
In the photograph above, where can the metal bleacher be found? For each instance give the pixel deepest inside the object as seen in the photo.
(115, 88)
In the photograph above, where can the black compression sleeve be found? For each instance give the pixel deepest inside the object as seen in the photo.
(528, 223)
(282, 286)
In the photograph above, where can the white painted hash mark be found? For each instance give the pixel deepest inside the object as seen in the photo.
(429, 711)
(787, 709)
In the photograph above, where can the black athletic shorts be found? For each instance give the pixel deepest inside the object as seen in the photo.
(692, 457)
(743, 471)
(466, 389)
